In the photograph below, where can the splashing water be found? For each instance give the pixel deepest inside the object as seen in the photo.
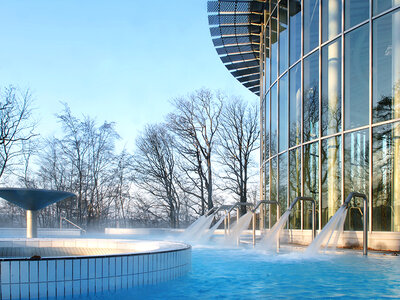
(196, 231)
(207, 235)
(195, 225)
(271, 238)
(334, 226)
(238, 228)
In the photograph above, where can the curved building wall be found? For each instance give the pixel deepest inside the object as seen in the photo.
(331, 109)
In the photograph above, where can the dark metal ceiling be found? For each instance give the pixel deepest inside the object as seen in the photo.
(235, 26)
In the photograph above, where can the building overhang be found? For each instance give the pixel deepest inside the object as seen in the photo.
(235, 27)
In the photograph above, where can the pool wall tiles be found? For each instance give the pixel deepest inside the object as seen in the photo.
(47, 278)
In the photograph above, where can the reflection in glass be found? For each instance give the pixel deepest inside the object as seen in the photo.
(274, 47)
(311, 25)
(295, 186)
(330, 178)
(266, 125)
(283, 37)
(266, 73)
(356, 92)
(386, 179)
(295, 105)
(382, 5)
(386, 67)
(331, 88)
(267, 55)
(274, 191)
(311, 97)
(295, 30)
(266, 195)
(356, 167)
(283, 113)
(283, 181)
(274, 120)
(355, 12)
(331, 19)
(311, 185)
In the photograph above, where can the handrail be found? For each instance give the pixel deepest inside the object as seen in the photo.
(266, 202)
(314, 231)
(211, 211)
(365, 216)
(72, 223)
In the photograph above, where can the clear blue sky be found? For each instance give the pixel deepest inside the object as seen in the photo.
(119, 60)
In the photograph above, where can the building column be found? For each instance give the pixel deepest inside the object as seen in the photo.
(31, 224)
(396, 131)
(332, 124)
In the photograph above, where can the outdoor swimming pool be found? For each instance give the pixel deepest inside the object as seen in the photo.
(219, 273)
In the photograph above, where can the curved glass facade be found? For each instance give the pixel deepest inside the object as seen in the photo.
(330, 103)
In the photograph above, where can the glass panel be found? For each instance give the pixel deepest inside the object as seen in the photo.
(331, 19)
(266, 125)
(310, 178)
(274, 191)
(356, 85)
(274, 120)
(283, 181)
(310, 97)
(331, 195)
(295, 105)
(295, 30)
(283, 113)
(386, 180)
(295, 186)
(267, 74)
(311, 25)
(382, 5)
(266, 195)
(356, 168)
(386, 67)
(283, 37)
(331, 88)
(355, 12)
(274, 47)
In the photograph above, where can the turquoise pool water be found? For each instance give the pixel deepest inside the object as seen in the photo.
(248, 274)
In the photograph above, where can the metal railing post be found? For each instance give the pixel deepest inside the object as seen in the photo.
(254, 228)
(263, 202)
(313, 221)
(365, 217)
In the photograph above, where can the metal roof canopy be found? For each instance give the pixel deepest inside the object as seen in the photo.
(236, 26)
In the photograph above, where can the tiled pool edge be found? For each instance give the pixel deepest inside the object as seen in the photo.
(83, 275)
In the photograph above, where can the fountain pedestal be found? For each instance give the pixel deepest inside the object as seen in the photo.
(31, 224)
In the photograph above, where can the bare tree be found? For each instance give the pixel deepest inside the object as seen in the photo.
(16, 125)
(155, 169)
(82, 161)
(195, 123)
(238, 139)
(122, 172)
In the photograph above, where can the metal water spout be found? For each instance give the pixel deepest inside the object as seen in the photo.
(310, 199)
(255, 216)
(365, 217)
(238, 205)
